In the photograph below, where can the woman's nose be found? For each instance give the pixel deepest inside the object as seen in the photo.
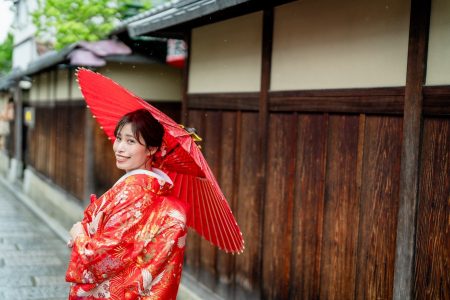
(119, 146)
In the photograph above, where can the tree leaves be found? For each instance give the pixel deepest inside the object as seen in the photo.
(65, 22)
(6, 54)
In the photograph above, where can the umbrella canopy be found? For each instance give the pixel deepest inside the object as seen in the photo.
(209, 213)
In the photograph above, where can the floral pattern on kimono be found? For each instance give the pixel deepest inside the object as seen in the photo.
(134, 243)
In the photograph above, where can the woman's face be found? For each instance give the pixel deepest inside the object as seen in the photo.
(130, 154)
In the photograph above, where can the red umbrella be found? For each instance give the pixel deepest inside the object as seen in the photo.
(209, 214)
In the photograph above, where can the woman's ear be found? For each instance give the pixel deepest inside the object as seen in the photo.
(152, 150)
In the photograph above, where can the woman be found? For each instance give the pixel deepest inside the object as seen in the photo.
(130, 243)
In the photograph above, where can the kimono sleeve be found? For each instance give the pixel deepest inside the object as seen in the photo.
(101, 256)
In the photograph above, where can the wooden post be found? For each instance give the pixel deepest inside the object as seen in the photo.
(266, 64)
(184, 92)
(410, 165)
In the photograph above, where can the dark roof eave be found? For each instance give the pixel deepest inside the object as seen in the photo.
(50, 60)
(133, 59)
(178, 14)
(43, 62)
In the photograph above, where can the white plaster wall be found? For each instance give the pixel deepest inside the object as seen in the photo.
(75, 93)
(23, 54)
(226, 56)
(438, 65)
(152, 82)
(24, 31)
(43, 89)
(322, 44)
(34, 90)
(62, 86)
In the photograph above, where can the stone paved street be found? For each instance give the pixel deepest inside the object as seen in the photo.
(33, 259)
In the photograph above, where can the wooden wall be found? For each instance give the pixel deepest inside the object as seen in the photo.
(56, 145)
(340, 193)
(326, 227)
(432, 264)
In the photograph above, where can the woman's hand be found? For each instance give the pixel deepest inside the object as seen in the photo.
(76, 231)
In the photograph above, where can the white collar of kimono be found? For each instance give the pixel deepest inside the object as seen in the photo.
(156, 173)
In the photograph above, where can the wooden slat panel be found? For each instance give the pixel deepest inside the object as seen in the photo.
(248, 204)
(370, 100)
(367, 100)
(105, 171)
(68, 150)
(308, 208)
(193, 241)
(39, 125)
(35, 137)
(52, 144)
(78, 117)
(47, 132)
(432, 280)
(212, 152)
(436, 100)
(228, 182)
(44, 141)
(63, 180)
(224, 101)
(60, 153)
(341, 214)
(278, 205)
(379, 207)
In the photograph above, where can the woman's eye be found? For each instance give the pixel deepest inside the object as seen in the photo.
(118, 138)
(130, 141)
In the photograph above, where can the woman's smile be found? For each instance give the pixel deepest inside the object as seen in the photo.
(130, 153)
(121, 158)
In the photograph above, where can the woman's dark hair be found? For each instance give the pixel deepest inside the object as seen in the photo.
(143, 123)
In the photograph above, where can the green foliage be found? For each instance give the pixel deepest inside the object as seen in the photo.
(66, 22)
(6, 54)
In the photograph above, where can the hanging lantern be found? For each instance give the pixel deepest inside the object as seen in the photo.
(176, 53)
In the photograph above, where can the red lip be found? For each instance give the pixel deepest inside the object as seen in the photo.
(121, 158)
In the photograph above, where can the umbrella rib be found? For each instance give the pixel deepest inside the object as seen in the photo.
(185, 191)
(233, 227)
(195, 190)
(209, 199)
(205, 217)
(218, 217)
(230, 227)
(225, 217)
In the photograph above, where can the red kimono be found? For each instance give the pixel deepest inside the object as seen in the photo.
(134, 242)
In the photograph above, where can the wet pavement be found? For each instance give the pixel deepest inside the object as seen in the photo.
(33, 259)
